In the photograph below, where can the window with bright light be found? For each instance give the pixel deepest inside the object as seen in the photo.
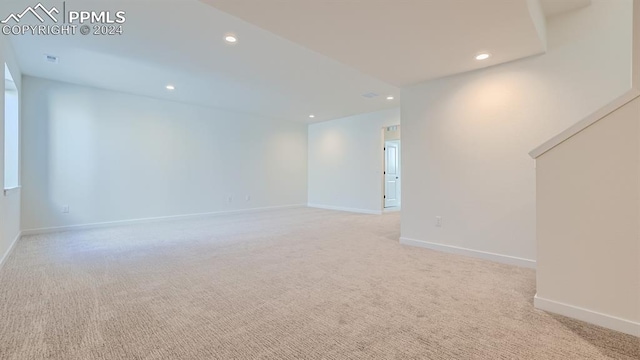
(11, 132)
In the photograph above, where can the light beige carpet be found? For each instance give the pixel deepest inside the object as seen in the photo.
(290, 284)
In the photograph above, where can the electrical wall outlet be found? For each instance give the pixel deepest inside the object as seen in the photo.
(229, 199)
(247, 198)
(438, 221)
(65, 209)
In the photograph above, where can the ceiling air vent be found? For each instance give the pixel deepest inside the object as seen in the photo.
(52, 59)
(370, 95)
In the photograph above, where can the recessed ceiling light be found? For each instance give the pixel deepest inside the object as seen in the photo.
(170, 87)
(483, 56)
(230, 38)
(390, 97)
(312, 116)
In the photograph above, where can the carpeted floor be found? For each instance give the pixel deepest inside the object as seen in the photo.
(287, 284)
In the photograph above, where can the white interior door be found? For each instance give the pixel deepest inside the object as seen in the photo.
(392, 174)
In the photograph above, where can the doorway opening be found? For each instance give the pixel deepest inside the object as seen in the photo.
(392, 188)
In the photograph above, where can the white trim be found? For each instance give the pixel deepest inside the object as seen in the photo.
(153, 219)
(504, 259)
(10, 250)
(592, 317)
(7, 191)
(340, 208)
(585, 123)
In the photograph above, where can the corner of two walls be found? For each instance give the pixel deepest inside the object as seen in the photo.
(345, 162)
(466, 138)
(636, 45)
(9, 202)
(113, 157)
(539, 20)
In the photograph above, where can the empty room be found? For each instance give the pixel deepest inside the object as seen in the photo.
(320, 179)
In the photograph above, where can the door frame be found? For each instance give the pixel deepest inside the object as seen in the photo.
(383, 167)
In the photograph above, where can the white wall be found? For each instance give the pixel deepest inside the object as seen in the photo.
(588, 227)
(346, 161)
(636, 44)
(588, 207)
(112, 156)
(466, 138)
(9, 202)
(12, 137)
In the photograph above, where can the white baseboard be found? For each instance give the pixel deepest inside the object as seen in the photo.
(505, 259)
(39, 231)
(592, 317)
(340, 208)
(10, 250)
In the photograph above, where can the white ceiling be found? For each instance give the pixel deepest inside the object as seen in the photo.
(401, 42)
(301, 57)
(181, 42)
